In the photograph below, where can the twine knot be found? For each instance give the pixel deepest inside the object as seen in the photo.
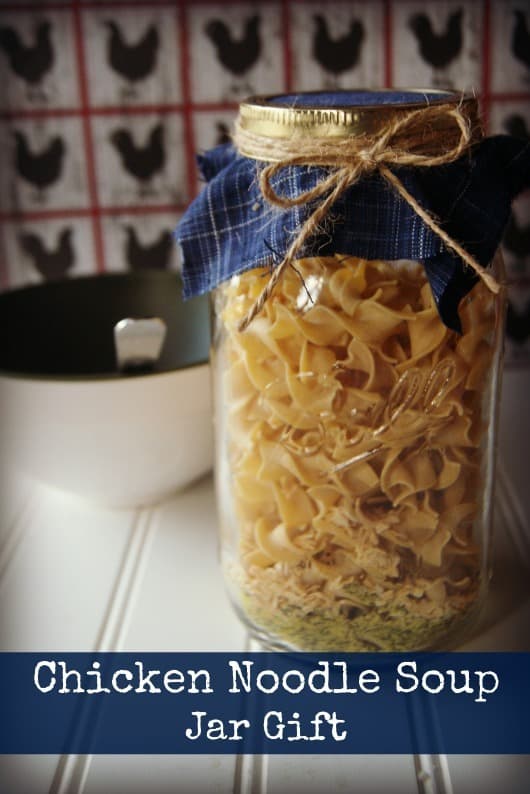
(370, 159)
(427, 137)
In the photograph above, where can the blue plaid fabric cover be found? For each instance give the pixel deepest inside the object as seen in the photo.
(229, 228)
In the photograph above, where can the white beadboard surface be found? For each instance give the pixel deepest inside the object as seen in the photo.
(78, 577)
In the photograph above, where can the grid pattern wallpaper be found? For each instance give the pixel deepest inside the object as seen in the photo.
(103, 105)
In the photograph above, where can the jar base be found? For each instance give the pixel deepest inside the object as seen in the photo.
(320, 634)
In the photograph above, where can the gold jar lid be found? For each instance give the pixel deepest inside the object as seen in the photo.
(341, 114)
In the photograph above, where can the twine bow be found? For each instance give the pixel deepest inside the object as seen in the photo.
(407, 140)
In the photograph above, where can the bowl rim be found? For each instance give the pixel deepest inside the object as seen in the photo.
(97, 376)
(108, 377)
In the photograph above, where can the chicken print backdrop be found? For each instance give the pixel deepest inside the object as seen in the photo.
(103, 105)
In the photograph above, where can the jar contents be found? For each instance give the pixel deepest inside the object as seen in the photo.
(352, 442)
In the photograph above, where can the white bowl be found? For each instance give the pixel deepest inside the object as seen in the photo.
(72, 422)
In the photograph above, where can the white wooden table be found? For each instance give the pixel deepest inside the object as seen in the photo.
(77, 577)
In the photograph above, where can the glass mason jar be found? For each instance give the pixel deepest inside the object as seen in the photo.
(355, 438)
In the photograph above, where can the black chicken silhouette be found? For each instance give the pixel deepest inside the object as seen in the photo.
(236, 55)
(50, 263)
(518, 323)
(133, 62)
(40, 169)
(223, 133)
(516, 125)
(153, 256)
(30, 63)
(439, 50)
(337, 55)
(521, 38)
(141, 162)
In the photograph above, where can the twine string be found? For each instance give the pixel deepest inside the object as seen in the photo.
(407, 140)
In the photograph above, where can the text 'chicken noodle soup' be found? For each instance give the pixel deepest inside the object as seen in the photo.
(356, 355)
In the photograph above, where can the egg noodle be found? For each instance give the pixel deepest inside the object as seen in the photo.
(353, 432)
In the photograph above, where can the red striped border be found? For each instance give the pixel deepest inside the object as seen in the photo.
(16, 216)
(87, 138)
(185, 66)
(218, 107)
(115, 110)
